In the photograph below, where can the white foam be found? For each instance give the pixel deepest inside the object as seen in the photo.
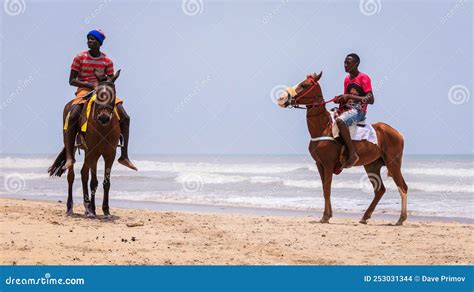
(25, 175)
(13, 162)
(207, 178)
(227, 168)
(263, 168)
(211, 178)
(457, 172)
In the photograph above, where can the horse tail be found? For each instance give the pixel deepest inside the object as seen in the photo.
(57, 167)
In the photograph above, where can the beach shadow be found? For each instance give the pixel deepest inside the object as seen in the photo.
(356, 223)
(75, 215)
(101, 218)
(110, 218)
(316, 222)
(385, 224)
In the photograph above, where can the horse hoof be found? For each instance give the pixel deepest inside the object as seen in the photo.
(324, 221)
(91, 215)
(363, 221)
(69, 213)
(107, 216)
(401, 220)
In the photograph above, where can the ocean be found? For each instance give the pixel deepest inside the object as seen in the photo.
(439, 185)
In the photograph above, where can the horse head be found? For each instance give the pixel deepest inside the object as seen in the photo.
(105, 98)
(307, 92)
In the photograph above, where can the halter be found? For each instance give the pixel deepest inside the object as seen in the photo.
(109, 106)
(306, 92)
(314, 84)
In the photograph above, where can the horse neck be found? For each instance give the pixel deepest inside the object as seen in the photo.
(318, 120)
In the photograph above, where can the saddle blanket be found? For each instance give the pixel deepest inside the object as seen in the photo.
(87, 114)
(359, 131)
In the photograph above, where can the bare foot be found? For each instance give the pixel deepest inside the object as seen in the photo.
(126, 162)
(351, 161)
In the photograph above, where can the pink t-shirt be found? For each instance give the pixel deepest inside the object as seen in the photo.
(360, 86)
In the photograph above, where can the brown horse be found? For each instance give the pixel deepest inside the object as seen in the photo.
(101, 140)
(326, 151)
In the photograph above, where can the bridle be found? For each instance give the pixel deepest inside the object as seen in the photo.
(292, 101)
(98, 104)
(110, 104)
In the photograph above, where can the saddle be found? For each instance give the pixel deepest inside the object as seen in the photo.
(87, 110)
(359, 132)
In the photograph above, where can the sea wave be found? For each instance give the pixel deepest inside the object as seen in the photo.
(456, 172)
(206, 167)
(273, 182)
(305, 203)
(236, 169)
(24, 175)
(389, 185)
(15, 162)
(206, 178)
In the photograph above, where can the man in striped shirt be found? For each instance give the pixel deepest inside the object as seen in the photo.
(84, 78)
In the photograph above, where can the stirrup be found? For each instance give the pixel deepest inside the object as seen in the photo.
(80, 142)
(120, 143)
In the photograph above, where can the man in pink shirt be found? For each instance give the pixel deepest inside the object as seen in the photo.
(353, 103)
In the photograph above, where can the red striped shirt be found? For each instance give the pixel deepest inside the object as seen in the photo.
(85, 64)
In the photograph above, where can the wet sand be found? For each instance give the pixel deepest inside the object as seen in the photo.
(36, 232)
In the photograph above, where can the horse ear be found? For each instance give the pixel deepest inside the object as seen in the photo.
(117, 74)
(317, 76)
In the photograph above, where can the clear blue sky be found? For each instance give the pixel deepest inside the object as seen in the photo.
(202, 83)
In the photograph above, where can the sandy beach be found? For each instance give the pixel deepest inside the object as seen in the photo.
(39, 233)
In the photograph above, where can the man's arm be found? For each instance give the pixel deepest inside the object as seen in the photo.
(368, 98)
(73, 81)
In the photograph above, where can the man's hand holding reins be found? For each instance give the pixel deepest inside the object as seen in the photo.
(344, 98)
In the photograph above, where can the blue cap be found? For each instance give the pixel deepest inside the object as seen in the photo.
(98, 34)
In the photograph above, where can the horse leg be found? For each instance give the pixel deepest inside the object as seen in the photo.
(85, 190)
(70, 181)
(394, 169)
(373, 172)
(94, 181)
(402, 189)
(326, 179)
(108, 168)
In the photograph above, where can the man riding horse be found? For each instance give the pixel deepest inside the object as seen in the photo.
(353, 103)
(326, 150)
(85, 68)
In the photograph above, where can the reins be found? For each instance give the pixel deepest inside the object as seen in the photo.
(306, 93)
(307, 106)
